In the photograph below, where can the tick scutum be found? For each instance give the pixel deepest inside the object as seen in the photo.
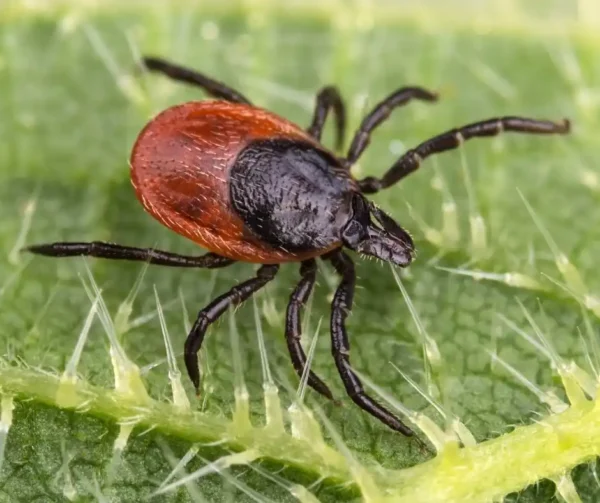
(291, 195)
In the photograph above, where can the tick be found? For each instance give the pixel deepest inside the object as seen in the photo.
(250, 186)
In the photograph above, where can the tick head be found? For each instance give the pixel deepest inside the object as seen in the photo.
(372, 232)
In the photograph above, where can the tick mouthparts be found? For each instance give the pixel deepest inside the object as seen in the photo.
(387, 247)
(391, 226)
(402, 259)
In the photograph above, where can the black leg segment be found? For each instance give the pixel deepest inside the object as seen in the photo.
(452, 139)
(340, 308)
(212, 87)
(293, 329)
(119, 252)
(214, 310)
(380, 113)
(328, 99)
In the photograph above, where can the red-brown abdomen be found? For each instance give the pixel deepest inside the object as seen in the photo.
(180, 168)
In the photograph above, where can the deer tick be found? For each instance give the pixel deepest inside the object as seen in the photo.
(250, 186)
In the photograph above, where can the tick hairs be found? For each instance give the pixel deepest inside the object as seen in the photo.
(250, 186)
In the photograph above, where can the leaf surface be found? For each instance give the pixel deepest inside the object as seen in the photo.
(72, 104)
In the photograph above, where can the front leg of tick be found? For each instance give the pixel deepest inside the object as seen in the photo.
(340, 346)
(214, 310)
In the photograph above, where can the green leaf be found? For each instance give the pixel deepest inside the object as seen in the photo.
(496, 322)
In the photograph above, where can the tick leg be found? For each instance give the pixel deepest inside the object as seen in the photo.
(328, 99)
(293, 329)
(452, 139)
(180, 73)
(340, 308)
(214, 310)
(119, 252)
(380, 113)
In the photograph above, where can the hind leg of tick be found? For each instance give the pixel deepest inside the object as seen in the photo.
(114, 251)
(178, 73)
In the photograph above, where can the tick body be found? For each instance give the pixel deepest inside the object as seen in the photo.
(250, 186)
(241, 182)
